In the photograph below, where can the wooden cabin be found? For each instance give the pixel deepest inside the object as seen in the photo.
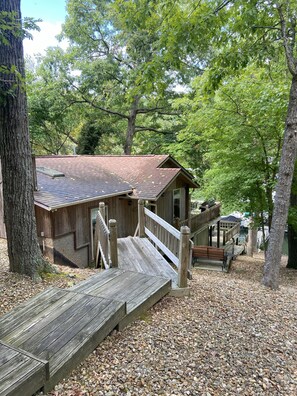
(70, 188)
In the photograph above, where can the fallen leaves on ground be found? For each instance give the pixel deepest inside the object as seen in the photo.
(232, 336)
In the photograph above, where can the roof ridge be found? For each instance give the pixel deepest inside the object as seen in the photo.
(103, 155)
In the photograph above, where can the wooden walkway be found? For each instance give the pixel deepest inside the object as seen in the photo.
(45, 338)
(139, 255)
(19, 370)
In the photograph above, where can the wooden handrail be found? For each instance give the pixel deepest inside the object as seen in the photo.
(164, 235)
(176, 245)
(106, 243)
(202, 218)
(102, 238)
(230, 233)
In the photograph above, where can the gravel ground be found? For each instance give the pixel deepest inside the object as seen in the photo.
(232, 336)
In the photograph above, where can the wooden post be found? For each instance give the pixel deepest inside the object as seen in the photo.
(218, 233)
(102, 209)
(210, 235)
(184, 257)
(224, 237)
(113, 243)
(141, 218)
(95, 239)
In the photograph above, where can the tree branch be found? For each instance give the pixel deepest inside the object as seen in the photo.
(288, 48)
(156, 109)
(108, 111)
(274, 27)
(221, 6)
(151, 129)
(91, 103)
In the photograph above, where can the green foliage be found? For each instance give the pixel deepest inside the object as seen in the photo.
(238, 131)
(10, 23)
(98, 136)
(52, 121)
(112, 47)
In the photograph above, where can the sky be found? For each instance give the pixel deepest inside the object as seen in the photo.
(52, 13)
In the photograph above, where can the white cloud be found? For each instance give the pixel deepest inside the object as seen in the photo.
(44, 39)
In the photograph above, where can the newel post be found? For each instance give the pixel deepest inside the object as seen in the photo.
(141, 218)
(184, 257)
(113, 243)
(102, 209)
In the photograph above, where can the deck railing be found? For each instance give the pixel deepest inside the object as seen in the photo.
(230, 229)
(200, 219)
(176, 245)
(164, 235)
(105, 239)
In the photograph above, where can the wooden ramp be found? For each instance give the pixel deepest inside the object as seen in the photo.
(139, 291)
(139, 255)
(20, 370)
(43, 339)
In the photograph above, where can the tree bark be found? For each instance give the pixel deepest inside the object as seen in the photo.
(16, 159)
(131, 127)
(283, 190)
(292, 231)
(292, 247)
(252, 240)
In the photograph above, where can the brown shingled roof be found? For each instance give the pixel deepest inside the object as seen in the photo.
(93, 177)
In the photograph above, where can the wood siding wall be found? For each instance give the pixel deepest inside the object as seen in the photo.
(165, 202)
(69, 228)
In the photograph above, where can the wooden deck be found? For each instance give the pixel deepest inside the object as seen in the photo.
(43, 339)
(138, 290)
(20, 370)
(139, 255)
(61, 327)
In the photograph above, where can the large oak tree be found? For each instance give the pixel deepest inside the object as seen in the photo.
(16, 159)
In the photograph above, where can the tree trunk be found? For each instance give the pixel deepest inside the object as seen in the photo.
(252, 240)
(131, 127)
(292, 231)
(282, 196)
(16, 159)
(292, 247)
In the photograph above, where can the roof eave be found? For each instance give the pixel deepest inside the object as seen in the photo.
(193, 185)
(82, 201)
(187, 173)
